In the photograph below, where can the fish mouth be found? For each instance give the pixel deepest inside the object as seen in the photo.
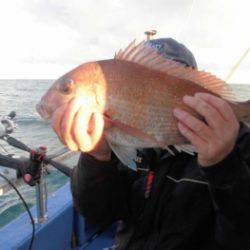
(43, 111)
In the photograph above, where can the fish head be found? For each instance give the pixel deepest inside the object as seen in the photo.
(78, 97)
(61, 92)
(80, 83)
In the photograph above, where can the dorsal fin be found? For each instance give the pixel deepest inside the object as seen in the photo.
(145, 55)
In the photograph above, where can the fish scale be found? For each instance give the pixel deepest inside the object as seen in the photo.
(145, 120)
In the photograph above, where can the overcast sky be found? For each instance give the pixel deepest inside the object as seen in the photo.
(47, 38)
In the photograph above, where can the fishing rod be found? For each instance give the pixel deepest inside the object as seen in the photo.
(7, 126)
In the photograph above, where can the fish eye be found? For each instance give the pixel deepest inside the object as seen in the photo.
(66, 86)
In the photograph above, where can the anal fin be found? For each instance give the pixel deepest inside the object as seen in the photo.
(188, 148)
(126, 155)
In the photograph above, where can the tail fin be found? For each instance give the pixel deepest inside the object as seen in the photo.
(242, 111)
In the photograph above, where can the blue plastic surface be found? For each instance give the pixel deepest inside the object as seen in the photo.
(56, 232)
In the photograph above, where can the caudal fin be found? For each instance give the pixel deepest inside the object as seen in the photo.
(242, 111)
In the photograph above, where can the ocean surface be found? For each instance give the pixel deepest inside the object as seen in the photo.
(22, 96)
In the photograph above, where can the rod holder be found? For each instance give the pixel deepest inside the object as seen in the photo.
(41, 199)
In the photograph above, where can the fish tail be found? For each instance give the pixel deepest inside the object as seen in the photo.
(242, 111)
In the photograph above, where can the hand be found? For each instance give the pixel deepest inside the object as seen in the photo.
(215, 138)
(102, 151)
(81, 130)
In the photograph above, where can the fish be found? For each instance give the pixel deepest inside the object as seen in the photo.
(130, 100)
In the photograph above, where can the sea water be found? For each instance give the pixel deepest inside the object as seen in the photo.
(22, 96)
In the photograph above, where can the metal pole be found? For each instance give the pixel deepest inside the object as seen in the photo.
(150, 34)
(41, 199)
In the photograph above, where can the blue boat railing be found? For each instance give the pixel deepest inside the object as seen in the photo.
(65, 229)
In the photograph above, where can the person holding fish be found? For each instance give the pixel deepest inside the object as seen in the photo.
(165, 148)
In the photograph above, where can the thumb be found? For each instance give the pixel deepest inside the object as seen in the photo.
(107, 122)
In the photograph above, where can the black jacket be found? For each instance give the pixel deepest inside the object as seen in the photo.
(189, 207)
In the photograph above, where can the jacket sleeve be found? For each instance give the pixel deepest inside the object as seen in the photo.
(99, 190)
(230, 190)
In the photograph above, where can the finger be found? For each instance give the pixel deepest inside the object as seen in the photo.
(79, 133)
(56, 121)
(98, 128)
(211, 115)
(221, 105)
(87, 129)
(194, 124)
(107, 122)
(195, 140)
(67, 121)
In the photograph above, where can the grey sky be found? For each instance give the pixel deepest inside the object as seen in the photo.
(45, 38)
